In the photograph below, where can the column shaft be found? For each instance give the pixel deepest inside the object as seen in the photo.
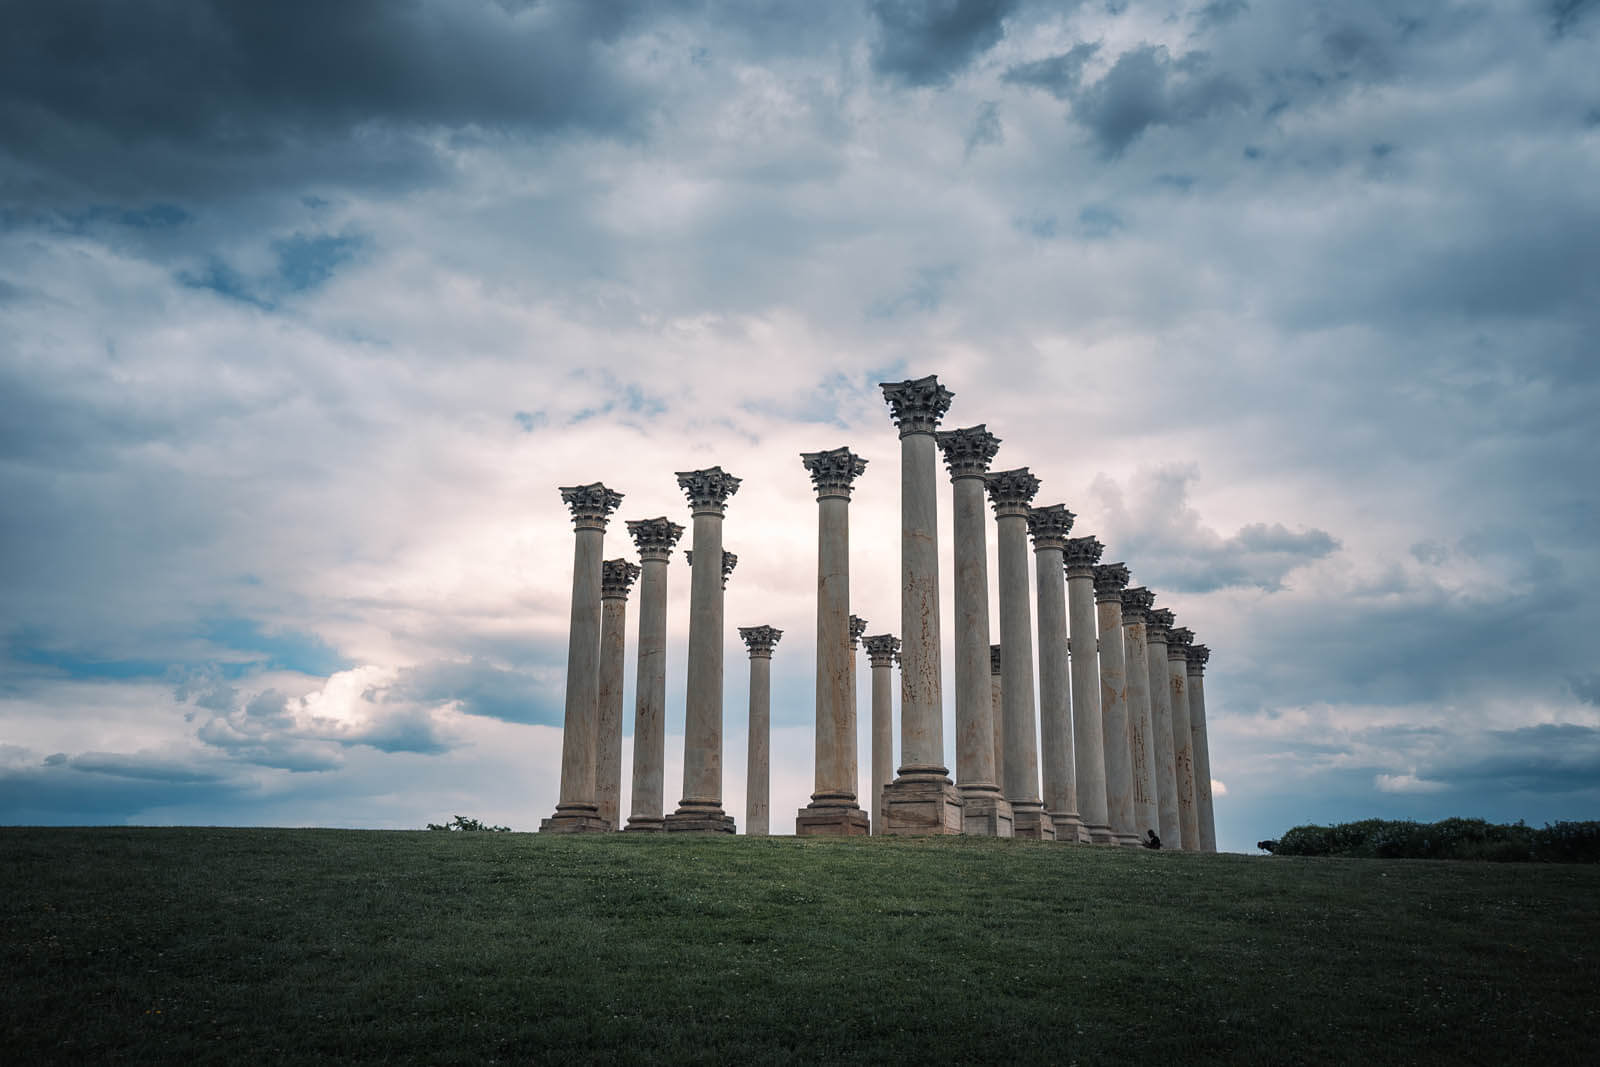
(988, 813)
(758, 769)
(1182, 748)
(921, 697)
(882, 739)
(583, 678)
(647, 803)
(608, 751)
(997, 701)
(1056, 705)
(835, 767)
(1088, 728)
(1031, 819)
(1171, 830)
(1202, 757)
(702, 755)
(1114, 713)
(1141, 726)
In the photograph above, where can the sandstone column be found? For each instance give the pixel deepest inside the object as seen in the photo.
(1179, 639)
(922, 800)
(616, 578)
(967, 453)
(1159, 622)
(1141, 724)
(1088, 728)
(882, 650)
(1109, 582)
(1199, 655)
(1010, 492)
(577, 810)
(833, 809)
(655, 539)
(1050, 527)
(996, 693)
(701, 807)
(758, 770)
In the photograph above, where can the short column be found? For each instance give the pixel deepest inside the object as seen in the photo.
(616, 578)
(1109, 581)
(1057, 697)
(577, 811)
(1088, 727)
(1179, 639)
(1141, 724)
(1159, 621)
(967, 453)
(760, 640)
(922, 799)
(1010, 492)
(882, 651)
(701, 807)
(996, 695)
(1199, 655)
(655, 540)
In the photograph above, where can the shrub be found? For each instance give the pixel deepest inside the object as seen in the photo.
(461, 822)
(1450, 839)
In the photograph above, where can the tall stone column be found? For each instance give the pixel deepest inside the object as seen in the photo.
(616, 578)
(858, 627)
(967, 453)
(996, 701)
(833, 809)
(1109, 581)
(1159, 621)
(1179, 638)
(1088, 727)
(655, 539)
(701, 807)
(577, 811)
(1141, 723)
(1199, 655)
(882, 650)
(1010, 492)
(760, 640)
(1050, 527)
(922, 800)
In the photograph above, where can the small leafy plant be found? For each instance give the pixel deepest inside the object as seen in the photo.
(462, 822)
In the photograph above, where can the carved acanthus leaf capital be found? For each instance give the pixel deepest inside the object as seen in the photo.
(882, 649)
(729, 561)
(1136, 604)
(1179, 638)
(708, 490)
(994, 659)
(655, 538)
(1081, 554)
(1158, 622)
(1110, 579)
(1050, 526)
(591, 504)
(616, 578)
(832, 473)
(858, 626)
(917, 404)
(969, 451)
(1010, 492)
(760, 640)
(1198, 656)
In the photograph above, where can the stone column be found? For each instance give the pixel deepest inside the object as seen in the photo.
(577, 810)
(1109, 581)
(1010, 492)
(1171, 830)
(1179, 639)
(967, 453)
(882, 650)
(1088, 727)
(1141, 725)
(858, 627)
(758, 770)
(701, 807)
(1199, 655)
(996, 694)
(922, 800)
(655, 539)
(616, 578)
(833, 809)
(1050, 527)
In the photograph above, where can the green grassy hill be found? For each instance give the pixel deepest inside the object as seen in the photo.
(262, 945)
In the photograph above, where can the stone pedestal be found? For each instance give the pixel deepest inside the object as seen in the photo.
(760, 640)
(1178, 640)
(922, 799)
(616, 579)
(1110, 579)
(700, 810)
(1010, 492)
(1088, 730)
(967, 453)
(655, 539)
(1159, 621)
(1199, 655)
(577, 811)
(882, 651)
(1141, 728)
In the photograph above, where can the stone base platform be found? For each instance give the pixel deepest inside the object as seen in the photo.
(923, 804)
(644, 825)
(1129, 840)
(986, 814)
(1033, 822)
(831, 820)
(575, 821)
(1070, 829)
(1102, 835)
(699, 822)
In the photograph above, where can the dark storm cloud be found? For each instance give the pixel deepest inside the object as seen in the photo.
(929, 42)
(481, 688)
(1547, 758)
(1145, 88)
(61, 793)
(1058, 75)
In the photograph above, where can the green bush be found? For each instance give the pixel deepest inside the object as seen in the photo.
(461, 822)
(1447, 839)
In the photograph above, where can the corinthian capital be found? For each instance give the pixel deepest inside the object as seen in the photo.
(858, 626)
(729, 561)
(591, 504)
(1082, 553)
(1179, 638)
(1010, 492)
(917, 404)
(833, 472)
(1157, 622)
(882, 649)
(655, 538)
(1199, 655)
(1050, 526)
(1110, 579)
(708, 490)
(616, 578)
(760, 640)
(1136, 603)
(968, 452)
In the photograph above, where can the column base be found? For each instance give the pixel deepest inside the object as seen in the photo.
(1070, 828)
(1129, 840)
(831, 820)
(575, 821)
(986, 814)
(1102, 835)
(699, 821)
(644, 824)
(1031, 821)
(922, 804)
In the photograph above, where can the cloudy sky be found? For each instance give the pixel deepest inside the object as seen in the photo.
(306, 310)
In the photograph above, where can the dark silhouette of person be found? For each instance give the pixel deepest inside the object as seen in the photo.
(1151, 840)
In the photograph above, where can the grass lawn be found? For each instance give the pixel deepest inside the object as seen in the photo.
(260, 945)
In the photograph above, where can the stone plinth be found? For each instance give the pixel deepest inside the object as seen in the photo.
(655, 540)
(760, 640)
(617, 577)
(1110, 579)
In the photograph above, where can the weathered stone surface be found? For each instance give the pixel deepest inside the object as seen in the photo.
(997, 700)
(883, 650)
(616, 579)
(1136, 604)
(1178, 640)
(1050, 527)
(1088, 733)
(760, 640)
(655, 539)
(1199, 655)
(1109, 581)
(1159, 621)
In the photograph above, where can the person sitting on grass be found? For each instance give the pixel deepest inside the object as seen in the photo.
(1151, 840)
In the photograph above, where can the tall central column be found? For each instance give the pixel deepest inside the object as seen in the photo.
(1141, 726)
(577, 810)
(1088, 733)
(1010, 492)
(922, 800)
(968, 452)
(833, 809)
(1050, 527)
(882, 651)
(655, 539)
(1110, 579)
(701, 807)
(1159, 620)
(760, 640)
(1179, 639)
(616, 578)
(1199, 655)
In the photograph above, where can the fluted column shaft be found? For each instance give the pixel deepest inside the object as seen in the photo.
(1171, 830)
(655, 539)
(1198, 655)
(1109, 580)
(1088, 731)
